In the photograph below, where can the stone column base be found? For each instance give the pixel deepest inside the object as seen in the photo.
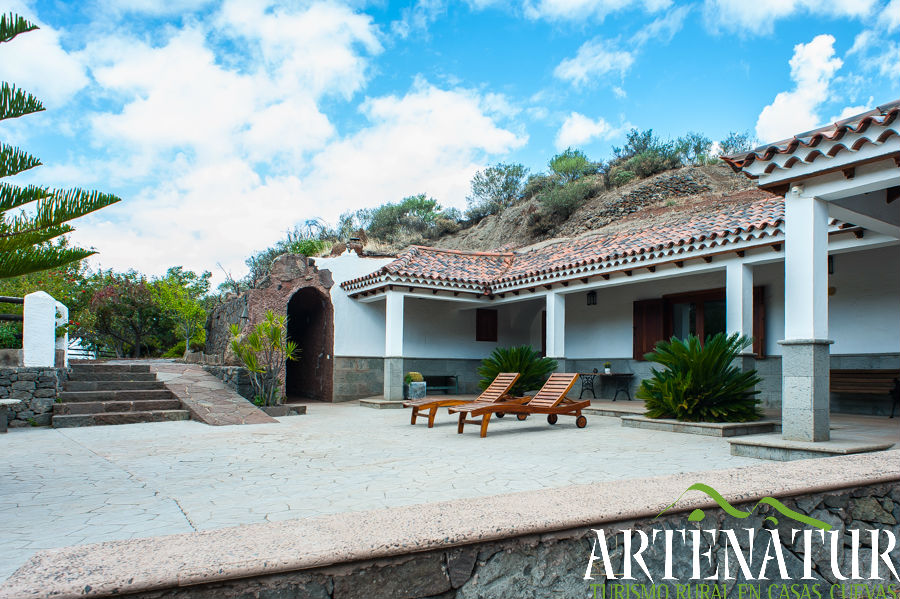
(393, 379)
(804, 389)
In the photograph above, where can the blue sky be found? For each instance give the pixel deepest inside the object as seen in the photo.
(223, 124)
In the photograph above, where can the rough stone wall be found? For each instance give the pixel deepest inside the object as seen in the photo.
(219, 321)
(37, 388)
(554, 564)
(236, 378)
(356, 378)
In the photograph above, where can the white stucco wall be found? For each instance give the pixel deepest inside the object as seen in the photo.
(446, 329)
(358, 326)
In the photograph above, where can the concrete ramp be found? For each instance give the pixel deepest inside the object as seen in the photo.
(207, 397)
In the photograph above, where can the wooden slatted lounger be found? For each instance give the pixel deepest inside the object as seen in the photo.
(550, 400)
(496, 392)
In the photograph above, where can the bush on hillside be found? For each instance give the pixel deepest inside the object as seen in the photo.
(701, 383)
(571, 165)
(561, 202)
(494, 189)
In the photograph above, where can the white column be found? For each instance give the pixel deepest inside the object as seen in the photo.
(393, 346)
(39, 330)
(805, 268)
(739, 299)
(556, 326)
(805, 358)
(393, 324)
(62, 342)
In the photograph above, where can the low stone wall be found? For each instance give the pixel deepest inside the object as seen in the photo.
(37, 388)
(357, 377)
(535, 544)
(236, 378)
(466, 370)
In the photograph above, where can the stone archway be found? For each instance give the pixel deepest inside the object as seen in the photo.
(310, 325)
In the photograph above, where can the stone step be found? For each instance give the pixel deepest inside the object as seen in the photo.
(84, 375)
(113, 385)
(106, 418)
(137, 395)
(110, 367)
(99, 407)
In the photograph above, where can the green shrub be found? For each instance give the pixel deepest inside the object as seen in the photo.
(10, 336)
(494, 189)
(264, 352)
(532, 368)
(563, 201)
(177, 350)
(538, 184)
(413, 377)
(620, 176)
(571, 165)
(701, 384)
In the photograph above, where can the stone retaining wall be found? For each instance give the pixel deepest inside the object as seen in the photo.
(236, 378)
(37, 388)
(357, 377)
(535, 544)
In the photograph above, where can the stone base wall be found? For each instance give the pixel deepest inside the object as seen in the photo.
(466, 370)
(357, 377)
(554, 564)
(37, 388)
(236, 378)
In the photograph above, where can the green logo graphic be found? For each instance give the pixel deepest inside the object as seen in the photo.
(698, 514)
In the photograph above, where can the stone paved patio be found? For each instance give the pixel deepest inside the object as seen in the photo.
(62, 487)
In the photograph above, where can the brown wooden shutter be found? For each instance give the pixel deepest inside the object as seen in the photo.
(485, 325)
(648, 326)
(759, 322)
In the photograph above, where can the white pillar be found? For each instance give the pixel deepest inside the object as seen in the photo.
(393, 346)
(739, 299)
(62, 342)
(39, 330)
(805, 356)
(556, 327)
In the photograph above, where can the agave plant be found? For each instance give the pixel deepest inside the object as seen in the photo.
(532, 368)
(264, 352)
(701, 383)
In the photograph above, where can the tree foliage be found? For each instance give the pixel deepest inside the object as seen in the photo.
(737, 142)
(571, 165)
(494, 189)
(26, 236)
(296, 241)
(533, 369)
(264, 352)
(701, 383)
(180, 297)
(122, 313)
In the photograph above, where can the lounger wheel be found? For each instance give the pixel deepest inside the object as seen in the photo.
(521, 416)
(581, 422)
(552, 418)
(500, 414)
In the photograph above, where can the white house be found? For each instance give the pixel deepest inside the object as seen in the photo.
(808, 264)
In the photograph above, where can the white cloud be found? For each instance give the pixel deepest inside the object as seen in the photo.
(877, 49)
(578, 130)
(418, 17)
(759, 16)
(572, 10)
(812, 68)
(890, 16)
(594, 59)
(663, 29)
(850, 111)
(37, 62)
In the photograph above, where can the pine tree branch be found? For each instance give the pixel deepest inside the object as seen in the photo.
(17, 102)
(12, 196)
(11, 242)
(62, 206)
(12, 25)
(22, 262)
(14, 161)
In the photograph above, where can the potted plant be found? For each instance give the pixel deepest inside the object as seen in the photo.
(413, 386)
(607, 367)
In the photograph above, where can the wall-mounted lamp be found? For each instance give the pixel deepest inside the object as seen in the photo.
(245, 315)
(831, 265)
(591, 298)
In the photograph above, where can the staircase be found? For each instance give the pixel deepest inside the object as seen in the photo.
(114, 394)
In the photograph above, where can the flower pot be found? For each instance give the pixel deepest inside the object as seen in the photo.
(607, 371)
(414, 390)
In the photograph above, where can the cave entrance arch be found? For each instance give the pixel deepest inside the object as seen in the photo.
(310, 324)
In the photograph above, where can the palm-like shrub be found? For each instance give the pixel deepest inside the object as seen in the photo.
(532, 368)
(264, 352)
(701, 384)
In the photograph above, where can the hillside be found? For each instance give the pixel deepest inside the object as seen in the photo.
(652, 197)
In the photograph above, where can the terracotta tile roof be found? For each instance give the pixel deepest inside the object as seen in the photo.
(699, 226)
(883, 115)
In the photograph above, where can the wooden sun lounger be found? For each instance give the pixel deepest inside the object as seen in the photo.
(497, 391)
(550, 400)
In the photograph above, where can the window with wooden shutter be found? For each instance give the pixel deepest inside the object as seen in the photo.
(648, 325)
(485, 325)
(759, 322)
